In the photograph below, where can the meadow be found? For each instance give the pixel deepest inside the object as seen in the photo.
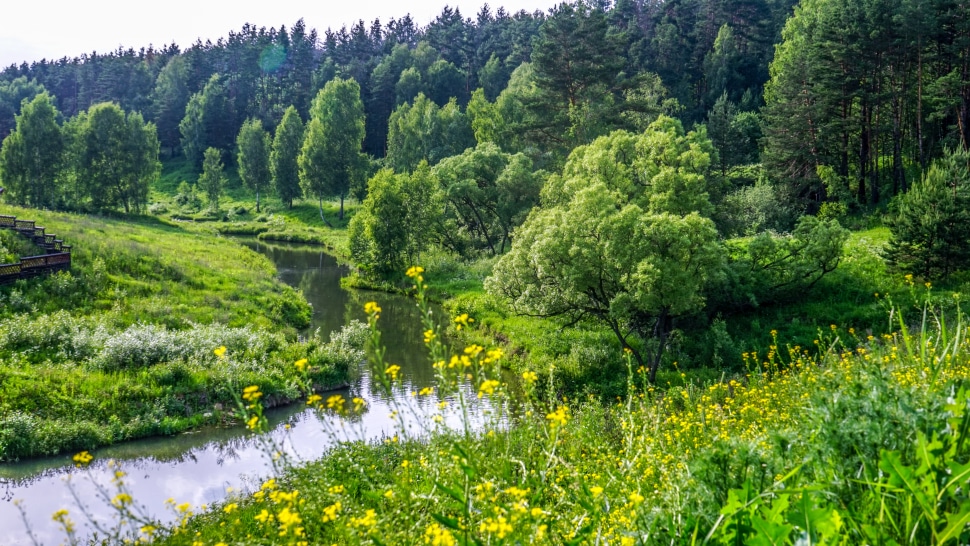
(124, 345)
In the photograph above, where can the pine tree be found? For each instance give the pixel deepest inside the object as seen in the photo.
(929, 234)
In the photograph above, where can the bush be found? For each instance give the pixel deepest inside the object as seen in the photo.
(754, 209)
(157, 208)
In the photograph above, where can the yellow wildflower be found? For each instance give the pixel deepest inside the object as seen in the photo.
(335, 402)
(463, 320)
(436, 535)
(487, 387)
(83, 458)
(559, 417)
(369, 519)
(251, 393)
(331, 512)
(120, 500)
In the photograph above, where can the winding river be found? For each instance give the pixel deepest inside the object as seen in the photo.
(204, 466)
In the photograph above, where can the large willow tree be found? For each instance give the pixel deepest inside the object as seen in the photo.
(621, 238)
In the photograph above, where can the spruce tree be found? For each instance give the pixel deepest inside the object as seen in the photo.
(929, 235)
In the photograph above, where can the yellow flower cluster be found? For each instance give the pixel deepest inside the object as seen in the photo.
(436, 535)
(251, 394)
(559, 417)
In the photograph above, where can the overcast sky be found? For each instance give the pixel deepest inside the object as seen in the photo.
(53, 29)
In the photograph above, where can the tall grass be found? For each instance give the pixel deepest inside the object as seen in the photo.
(853, 439)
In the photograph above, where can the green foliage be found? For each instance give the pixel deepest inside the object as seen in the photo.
(115, 157)
(423, 131)
(283, 157)
(619, 239)
(253, 145)
(487, 194)
(929, 235)
(752, 209)
(31, 156)
(206, 121)
(734, 134)
(769, 268)
(576, 62)
(330, 161)
(169, 99)
(394, 223)
(14, 246)
(212, 181)
(867, 90)
(12, 94)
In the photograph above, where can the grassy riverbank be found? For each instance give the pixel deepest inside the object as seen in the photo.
(122, 345)
(856, 439)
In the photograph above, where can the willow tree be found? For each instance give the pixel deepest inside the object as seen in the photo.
(621, 238)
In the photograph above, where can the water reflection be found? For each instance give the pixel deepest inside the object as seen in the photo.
(200, 467)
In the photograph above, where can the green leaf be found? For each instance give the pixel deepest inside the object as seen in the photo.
(451, 492)
(768, 533)
(955, 523)
(451, 523)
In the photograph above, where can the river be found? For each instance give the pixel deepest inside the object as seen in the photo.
(202, 467)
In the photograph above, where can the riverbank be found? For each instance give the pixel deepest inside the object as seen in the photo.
(206, 465)
(153, 331)
(816, 444)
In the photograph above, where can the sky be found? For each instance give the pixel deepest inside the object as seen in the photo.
(58, 28)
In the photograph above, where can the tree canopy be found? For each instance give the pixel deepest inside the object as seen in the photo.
(117, 157)
(31, 156)
(330, 161)
(283, 158)
(252, 156)
(621, 238)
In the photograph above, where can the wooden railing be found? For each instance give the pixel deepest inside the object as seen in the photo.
(57, 258)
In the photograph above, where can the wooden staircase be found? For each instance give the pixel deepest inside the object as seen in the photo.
(56, 258)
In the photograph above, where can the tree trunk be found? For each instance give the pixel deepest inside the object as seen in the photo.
(861, 194)
(341, 208)
(321, 214)
(661, 331)
(257, 201)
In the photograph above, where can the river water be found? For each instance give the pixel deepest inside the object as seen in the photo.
(202, 467)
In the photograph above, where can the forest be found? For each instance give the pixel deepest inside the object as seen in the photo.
(721, 245)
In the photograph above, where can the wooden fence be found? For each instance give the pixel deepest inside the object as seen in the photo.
(57, 257)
